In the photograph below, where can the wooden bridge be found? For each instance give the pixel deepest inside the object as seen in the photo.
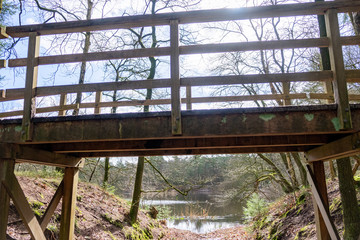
(324, 132)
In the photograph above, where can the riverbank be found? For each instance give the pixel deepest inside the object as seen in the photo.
(235, 233)
(102, 215)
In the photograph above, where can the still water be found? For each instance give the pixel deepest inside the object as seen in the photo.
(198, 213)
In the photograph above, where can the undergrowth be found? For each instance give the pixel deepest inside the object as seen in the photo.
(268, 222)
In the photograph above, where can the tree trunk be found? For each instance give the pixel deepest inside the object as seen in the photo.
(349, 201)
(292, 171)
(93, 171)
(282, 180)
(141, 160)
(83, 64)
(106, 172)
(135, 204)
(301, 168)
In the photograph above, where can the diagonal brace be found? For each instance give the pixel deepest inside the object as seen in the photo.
(320, 203)
(15, 192)
(344, 147)
(52, 206)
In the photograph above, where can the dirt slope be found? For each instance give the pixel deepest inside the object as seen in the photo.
(99, 215)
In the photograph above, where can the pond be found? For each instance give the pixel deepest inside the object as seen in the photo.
(198, 213)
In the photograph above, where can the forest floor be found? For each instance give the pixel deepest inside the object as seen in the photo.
(101, 215)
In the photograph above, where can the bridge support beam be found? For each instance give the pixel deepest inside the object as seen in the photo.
(325, 228)
(344, 147)
(67, 225)
(6, 166)
(10, 188)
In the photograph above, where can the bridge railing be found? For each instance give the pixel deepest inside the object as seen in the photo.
(337, 76)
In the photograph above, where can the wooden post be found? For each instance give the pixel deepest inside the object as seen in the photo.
(337, 66)
(175, 78)
(6, 165)
(14, 190)
(286, 90)
(30, 85)
(62, 104)
(188, 98)
(325, 229)
(67, 223)
(98, 97)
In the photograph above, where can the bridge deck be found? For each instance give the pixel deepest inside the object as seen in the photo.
(246, 130)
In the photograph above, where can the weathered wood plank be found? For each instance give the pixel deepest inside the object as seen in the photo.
(2, 63)
(39, 156)
(164, 51)
(134, 153)
(17, 195)
(283, 10)
(188, 98)
(30, 85)
(324, 225)
(351, 40)
(6, 165)
(98, 97)
(194, 143)
(352, 76)
(63, 101)
(67, 222)
(14, 94)
(94, 56)
(284, 120)
(167, 101)
(253, 46)
(3, 33)
(337, 66)
(341, 148)
(175, 78)
(52, 206)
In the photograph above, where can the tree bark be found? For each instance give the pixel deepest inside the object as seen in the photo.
(141, 160)
(135, 204)
(106, 172)
(349, 201)
(282, 180)
(301, 168)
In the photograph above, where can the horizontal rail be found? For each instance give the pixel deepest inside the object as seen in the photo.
(158, 102)
(17, 94)
(184, 50)
(283, 10)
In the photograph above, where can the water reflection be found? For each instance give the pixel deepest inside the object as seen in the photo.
(198, 213)
(203, 225)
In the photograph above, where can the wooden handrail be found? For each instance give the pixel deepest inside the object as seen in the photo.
(283, 10)
(16, 94)
(174, 51)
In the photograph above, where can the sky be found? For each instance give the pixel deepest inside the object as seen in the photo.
(14, 78)
(196, 65)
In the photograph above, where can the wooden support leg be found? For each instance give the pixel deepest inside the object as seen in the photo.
(5, 166)
(27, 215)
(67, 224)
(320, 181)
(325, 228)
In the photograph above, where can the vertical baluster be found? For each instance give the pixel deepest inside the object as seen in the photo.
(98, 97)
(188, 98)
(63, 98)
(30, 86)
(175, 78)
